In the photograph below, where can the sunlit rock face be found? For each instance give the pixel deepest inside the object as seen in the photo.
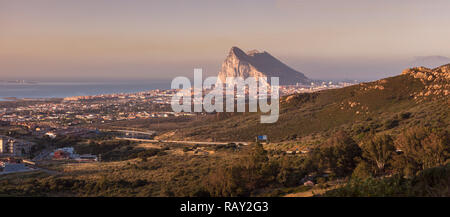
(258, 64)
(439, 74)
(436, 81)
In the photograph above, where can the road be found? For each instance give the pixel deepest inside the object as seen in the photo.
(44, 154)
(184, 142)
(51, 172)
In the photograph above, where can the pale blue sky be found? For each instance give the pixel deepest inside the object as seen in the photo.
(356, 39)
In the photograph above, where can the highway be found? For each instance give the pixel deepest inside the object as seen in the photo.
(182, 142)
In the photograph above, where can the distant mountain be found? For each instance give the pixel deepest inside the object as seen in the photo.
(259, 64)
(430, 61)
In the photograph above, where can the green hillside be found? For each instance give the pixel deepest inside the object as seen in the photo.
(390, 104)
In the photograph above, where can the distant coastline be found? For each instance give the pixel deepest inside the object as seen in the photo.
(8, 99)
(19, 82)
(33, 90)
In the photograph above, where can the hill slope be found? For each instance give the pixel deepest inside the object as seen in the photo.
(419, 96)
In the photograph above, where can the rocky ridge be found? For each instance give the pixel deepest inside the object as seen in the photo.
(436, 81)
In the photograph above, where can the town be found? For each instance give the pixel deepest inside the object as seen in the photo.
(23, 122)
(81, 110)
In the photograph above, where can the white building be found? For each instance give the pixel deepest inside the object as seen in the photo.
(3, 145)
(14, 147)
(51, 135)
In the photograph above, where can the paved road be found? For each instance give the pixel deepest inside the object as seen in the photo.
(185, 142)
(42, 155)
(17, 171)
(133, 131)
(51, 172)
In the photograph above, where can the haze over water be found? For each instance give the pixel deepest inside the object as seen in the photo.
(67, 89)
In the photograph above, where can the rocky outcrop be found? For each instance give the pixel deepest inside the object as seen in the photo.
(436, 81)
(439, 74)
(258, 64)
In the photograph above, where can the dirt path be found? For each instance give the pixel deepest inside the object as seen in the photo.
(311, 192)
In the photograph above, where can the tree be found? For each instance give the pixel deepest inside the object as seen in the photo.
(257, 155)
(339, 154)
(378, 150)
(346, 152)
(423, 148)
(253, 171)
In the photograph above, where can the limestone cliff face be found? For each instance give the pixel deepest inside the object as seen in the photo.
(258, 64)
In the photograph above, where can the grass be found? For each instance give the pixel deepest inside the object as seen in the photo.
(306, 120)
(175, 174)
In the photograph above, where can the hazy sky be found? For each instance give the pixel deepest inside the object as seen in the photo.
(355, 39)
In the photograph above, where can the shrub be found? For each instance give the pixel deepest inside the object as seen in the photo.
(339, 154)
(391, 123)
(362, 171)
(253, 171)
(405, 115)
(431, 182)
(422, 148)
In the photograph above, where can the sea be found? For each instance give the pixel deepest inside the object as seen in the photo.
(34, 90)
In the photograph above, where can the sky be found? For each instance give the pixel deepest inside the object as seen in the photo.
(161, 39)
